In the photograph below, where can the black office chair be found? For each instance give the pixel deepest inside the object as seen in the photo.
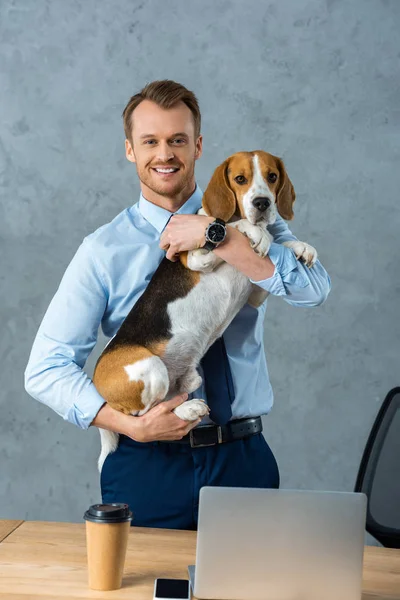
(379, 473)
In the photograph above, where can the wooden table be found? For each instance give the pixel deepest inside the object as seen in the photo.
(41, 560)
(7, 527)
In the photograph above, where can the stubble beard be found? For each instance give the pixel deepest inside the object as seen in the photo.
(149, 180)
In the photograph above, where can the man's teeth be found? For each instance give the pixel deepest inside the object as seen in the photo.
(166, 170)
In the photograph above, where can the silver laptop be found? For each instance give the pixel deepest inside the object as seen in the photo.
(262, 544)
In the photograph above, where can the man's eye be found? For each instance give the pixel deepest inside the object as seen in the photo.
(179, 140)
(149, 141)
(240, 179)
(272, 177)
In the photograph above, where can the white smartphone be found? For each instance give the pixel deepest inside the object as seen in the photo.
(171, 589)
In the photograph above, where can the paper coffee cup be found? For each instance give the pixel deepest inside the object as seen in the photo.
(107, 529)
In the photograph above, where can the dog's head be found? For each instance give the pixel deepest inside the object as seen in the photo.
(252, 186)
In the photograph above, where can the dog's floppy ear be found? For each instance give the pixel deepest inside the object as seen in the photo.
(286, 195)
(219, 201)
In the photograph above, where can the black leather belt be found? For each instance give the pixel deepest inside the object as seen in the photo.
(209, 435)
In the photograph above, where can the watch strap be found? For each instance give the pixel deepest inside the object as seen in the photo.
(209, 246)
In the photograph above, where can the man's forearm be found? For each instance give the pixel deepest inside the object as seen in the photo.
(237, 251)
(114, 420)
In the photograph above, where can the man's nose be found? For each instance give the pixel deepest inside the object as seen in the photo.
(261, 203)
(165, 153)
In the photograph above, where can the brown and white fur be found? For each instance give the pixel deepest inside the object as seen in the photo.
(188, 304)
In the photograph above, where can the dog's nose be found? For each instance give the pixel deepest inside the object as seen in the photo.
(261, 203)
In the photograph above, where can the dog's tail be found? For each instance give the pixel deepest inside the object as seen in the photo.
(109, 443)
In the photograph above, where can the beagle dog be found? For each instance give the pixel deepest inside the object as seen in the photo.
(188, 304)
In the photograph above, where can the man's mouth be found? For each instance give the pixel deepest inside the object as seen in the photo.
(165, 170)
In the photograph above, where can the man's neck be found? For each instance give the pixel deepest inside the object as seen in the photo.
(170, 203)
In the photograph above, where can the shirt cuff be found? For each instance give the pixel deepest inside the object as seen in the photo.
(86, 408)
(286, 271)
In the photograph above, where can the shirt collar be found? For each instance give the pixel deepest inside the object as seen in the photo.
(159, 217)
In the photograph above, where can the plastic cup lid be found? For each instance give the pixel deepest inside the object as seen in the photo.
(108, 513)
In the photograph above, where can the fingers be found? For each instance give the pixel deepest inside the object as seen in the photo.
(172, 254)
(178, 434)
(164, 245)
(165, 239)
(191, 425)
(171, 249)
(165, 242)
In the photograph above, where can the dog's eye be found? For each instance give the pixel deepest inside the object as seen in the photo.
(272, 177)
(240, 179)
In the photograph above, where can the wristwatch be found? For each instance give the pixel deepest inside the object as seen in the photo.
(215, 234)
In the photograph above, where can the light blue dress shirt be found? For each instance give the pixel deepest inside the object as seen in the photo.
(107, 276)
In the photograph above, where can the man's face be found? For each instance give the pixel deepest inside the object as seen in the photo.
(164, 148)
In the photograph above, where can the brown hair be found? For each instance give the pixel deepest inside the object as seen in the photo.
(166, 94)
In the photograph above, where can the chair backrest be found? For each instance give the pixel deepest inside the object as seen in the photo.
(379, 473)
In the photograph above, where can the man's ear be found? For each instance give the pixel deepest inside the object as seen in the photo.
(219, 201)
(130, 155)
(199, 147)
(286, 194)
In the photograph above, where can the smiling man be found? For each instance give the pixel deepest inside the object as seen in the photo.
(158, 468)
(164, 151)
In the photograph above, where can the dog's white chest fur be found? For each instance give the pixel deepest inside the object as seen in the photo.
(200, 318)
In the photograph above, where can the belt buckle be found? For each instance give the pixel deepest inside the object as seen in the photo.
(193, 444)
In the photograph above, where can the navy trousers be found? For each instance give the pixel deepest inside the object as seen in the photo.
(161, 481)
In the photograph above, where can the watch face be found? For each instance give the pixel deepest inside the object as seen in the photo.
(216, 233)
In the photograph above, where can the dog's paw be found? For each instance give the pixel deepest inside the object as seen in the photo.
(191, 410)
(260, 239)
(202, 260)
(264, 245)
(303, 252)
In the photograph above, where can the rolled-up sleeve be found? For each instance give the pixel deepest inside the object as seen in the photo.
(298, 284)
(54, 374)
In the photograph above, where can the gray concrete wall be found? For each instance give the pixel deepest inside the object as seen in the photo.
(316, 82)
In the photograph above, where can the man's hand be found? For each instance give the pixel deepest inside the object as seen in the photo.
(184, 232)
(160, 423)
